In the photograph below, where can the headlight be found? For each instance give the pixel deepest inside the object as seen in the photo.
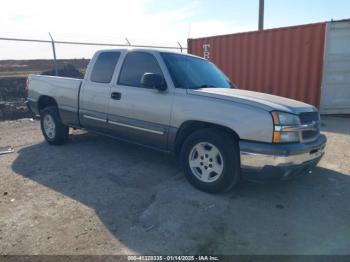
(281, 122)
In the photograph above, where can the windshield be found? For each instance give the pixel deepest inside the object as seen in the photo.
(192, 73)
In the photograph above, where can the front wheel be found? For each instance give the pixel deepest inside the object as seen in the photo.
(210, 158)
(54, 131)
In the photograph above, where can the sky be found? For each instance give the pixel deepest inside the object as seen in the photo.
(150, 22)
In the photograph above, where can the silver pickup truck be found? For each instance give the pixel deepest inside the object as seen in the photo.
(185, 105)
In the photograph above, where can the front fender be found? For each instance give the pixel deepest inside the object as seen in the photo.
(249, 122)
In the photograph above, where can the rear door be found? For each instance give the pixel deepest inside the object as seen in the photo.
(95, 92)
(136, 113)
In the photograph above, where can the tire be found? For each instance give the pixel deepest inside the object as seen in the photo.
(212, 150)
(54, 131)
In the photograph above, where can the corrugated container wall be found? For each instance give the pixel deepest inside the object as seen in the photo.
(285, 61)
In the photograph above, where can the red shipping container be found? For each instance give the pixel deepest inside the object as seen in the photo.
(284, 61)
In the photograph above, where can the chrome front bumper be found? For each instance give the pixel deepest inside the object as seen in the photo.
(259, 161)
(271, 160)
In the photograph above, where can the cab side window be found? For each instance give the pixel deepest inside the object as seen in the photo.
(136, 64)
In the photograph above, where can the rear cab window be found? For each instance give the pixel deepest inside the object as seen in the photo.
(103, 69)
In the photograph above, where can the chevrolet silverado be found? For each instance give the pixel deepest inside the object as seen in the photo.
(182, 104)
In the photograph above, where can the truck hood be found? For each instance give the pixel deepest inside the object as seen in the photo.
(256, 99)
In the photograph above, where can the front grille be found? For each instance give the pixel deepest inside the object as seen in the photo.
(309, 118)
(310, 134)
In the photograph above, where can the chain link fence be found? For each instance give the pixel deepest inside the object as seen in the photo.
(13, 73)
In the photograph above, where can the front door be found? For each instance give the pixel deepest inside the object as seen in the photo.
(136, 113)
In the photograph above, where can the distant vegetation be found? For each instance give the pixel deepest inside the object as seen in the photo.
(11, 68)
(67, 70)
(13, 74)
(12, 98)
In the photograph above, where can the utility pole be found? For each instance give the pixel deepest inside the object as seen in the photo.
(261, 15)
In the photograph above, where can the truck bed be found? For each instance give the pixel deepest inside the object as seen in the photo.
(65, 91)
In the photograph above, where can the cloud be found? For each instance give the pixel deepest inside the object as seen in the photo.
(102, 21)
(216, 27)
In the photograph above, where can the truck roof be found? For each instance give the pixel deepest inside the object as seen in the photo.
(151, 50)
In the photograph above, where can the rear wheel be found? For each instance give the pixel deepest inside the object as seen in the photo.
(210, 158)
(54, 131)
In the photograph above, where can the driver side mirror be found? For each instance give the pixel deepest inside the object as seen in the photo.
(151, 80)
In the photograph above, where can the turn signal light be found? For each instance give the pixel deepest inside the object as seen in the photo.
(276, 137)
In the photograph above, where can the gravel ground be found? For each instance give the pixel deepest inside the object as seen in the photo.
(95, 196)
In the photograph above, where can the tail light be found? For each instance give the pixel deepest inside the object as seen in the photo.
(26, 88)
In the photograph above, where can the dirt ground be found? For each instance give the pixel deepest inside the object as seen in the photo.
(95, 196)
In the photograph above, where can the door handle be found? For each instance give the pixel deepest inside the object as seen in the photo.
(116, 95)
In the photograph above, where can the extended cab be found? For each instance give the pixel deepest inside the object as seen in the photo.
(183, 104)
